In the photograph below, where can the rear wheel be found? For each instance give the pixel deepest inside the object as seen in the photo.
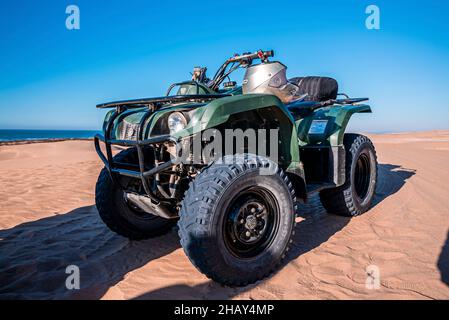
(119, 214)
(356, 195)
(236, 224)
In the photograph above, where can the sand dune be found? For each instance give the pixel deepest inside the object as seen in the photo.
(48, 221)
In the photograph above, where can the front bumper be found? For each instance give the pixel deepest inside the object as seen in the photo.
(132, 170)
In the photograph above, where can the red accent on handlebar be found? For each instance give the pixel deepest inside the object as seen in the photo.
(262, 55)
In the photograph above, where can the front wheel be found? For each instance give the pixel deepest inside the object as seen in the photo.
(119, 214)
(236, 224)
(356, 195)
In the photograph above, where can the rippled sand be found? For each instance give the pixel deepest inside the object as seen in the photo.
(48, 221)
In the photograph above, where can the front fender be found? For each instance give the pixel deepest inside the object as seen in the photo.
(219, 111)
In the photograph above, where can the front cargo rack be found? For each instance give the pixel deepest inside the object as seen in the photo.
(139, 103)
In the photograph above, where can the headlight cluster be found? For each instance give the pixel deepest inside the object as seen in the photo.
(176, 122)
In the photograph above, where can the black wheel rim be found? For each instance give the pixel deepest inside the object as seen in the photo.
(362, 175)
(251, 222)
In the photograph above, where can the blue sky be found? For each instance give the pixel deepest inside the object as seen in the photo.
(52, 78)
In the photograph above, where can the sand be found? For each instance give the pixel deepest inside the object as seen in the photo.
(48, 221)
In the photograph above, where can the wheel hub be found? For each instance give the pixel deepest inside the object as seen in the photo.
(250, 222)
(253, 215)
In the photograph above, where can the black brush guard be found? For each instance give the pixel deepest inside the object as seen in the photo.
(139, 172)
(118, 168)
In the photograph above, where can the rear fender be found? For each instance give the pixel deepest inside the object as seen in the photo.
(337, 118)
(321, 143)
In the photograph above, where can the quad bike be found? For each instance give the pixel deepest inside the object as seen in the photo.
(235, 221)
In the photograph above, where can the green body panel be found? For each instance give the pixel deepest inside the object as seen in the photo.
(134, 116)
(219, 111)
(187, 88)
(293, 134)
(107, 117)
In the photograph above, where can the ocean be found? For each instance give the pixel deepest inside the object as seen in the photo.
(19, 135)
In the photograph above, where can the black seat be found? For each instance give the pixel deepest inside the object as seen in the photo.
(317, 88)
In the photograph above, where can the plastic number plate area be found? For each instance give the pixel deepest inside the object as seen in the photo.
(318, 127)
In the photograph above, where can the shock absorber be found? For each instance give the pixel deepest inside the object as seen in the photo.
(174, 182)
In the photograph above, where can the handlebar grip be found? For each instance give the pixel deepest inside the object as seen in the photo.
(269, 53)
(257, 55)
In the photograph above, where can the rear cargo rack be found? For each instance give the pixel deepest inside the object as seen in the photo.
(310, 106)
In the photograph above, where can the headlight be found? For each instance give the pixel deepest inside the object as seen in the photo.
(176, 122)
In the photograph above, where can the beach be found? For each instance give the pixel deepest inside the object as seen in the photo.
(48, 221)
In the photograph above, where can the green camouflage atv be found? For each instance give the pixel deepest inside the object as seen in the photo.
(230, 164)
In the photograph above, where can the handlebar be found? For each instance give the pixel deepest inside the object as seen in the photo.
(262, 55)
(237, 61)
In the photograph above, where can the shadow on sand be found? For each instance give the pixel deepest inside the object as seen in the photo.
(391, 178)
(316, 228)
(34, 255)
(443, 262)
